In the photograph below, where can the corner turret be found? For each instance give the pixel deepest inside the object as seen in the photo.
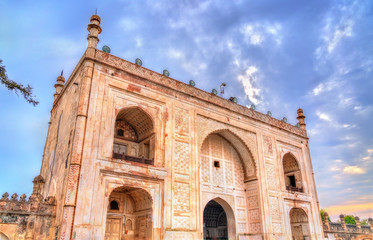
(94, 30)
(59, 85)
(301, 118)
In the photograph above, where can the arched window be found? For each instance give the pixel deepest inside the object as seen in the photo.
(134, 138)
(292, 173)
(114, 205)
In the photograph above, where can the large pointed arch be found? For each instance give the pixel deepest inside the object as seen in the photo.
(242, 149)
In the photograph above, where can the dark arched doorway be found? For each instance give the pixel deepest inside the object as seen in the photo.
(215, 223)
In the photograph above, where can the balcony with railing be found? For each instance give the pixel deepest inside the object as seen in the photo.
(125, 157)
(294, 189)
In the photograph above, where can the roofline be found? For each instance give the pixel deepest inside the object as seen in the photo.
(173, 84)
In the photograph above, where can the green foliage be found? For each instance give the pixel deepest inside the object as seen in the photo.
(364, 222)
(322, 215)
(349, 219)
(16, 87)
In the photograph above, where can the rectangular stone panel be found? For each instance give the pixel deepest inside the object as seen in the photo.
(255, 228)
(181, 122)
(252, 202)
(271, 176)
(254, 215)
(268, 146)
(274, 207)
(182, 157)
(181, 222)
(276, 228)
(181, 199)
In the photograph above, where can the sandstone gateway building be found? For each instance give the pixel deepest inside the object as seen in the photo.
(134, 154)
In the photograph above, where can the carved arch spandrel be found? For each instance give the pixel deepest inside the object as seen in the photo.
(206, 126)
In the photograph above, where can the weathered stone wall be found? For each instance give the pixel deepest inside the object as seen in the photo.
(33, 218)
(59, 146)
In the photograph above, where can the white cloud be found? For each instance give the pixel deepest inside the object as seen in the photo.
(313, 131)
(138, 42)
(370, 153)
(127, 24)
(331, 84)
(338, 25)
(353, 170)
(363, 110)
(323, 116)
(248, 80)
(344, 29)
(257, 33)
(335, 169)
(252, 36)
(175, 54)
(189, 64)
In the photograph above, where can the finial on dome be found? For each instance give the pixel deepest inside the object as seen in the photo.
(59, 85)
(94, 30)
(301, 118)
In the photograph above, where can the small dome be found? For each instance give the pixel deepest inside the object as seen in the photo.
(38, 178)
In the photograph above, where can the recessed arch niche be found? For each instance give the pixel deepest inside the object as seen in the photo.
(133, 218)
(299, 224)
(134, 136)
(292, 173)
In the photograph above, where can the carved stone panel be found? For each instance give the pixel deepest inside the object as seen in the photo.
(181, 222)
(268, 146)
(271, 176)
(181, 123)
(182, 157)
(181, 197)
(274, 208)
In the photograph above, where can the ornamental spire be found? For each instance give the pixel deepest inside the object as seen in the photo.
(301, 118)
(94, 30)
(59, 85)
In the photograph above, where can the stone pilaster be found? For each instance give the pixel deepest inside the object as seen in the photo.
(326, 220)
(343, 223)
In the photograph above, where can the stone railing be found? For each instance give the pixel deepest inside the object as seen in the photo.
(32, 205)
(345, 231)
(366, 229)
(337, 227)
(133, 159)
(294, 189)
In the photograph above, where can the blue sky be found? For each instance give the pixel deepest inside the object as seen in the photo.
(279, 55)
